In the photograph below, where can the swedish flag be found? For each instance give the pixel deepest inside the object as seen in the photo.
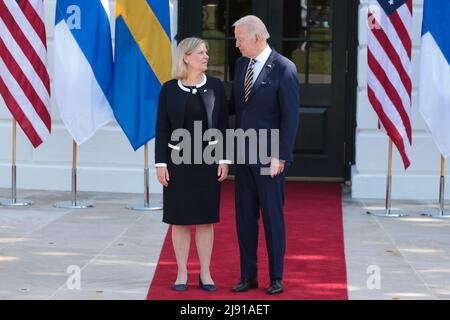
(143, 59)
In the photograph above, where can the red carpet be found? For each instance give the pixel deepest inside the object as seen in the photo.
(315, 260)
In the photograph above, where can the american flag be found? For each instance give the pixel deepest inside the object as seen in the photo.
(389, 70)
(24, 78)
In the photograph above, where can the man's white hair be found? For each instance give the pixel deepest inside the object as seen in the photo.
(254, 25)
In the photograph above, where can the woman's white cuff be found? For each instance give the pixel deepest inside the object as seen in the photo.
(161, 165)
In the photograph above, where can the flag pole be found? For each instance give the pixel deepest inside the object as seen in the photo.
(441, 213)
(13, 157)
(14, 202)
(147, 205)
(74, 204)
(146, 178)
(387, 212)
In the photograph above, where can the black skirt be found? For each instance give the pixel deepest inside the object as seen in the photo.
(193, 193)
(192, 196)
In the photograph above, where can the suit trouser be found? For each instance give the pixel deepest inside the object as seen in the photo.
(254, 192)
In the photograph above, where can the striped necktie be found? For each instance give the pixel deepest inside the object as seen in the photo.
(249, 79)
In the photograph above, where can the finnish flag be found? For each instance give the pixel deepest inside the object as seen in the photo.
(435, 72)
(83, 66)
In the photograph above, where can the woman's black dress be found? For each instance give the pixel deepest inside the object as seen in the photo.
(193, 193)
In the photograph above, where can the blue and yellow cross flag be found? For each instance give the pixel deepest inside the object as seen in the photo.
(143, 61)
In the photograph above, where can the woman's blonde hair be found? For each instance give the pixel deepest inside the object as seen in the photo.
(185, 47)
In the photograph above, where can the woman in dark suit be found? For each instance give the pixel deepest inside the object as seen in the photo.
(191, 189)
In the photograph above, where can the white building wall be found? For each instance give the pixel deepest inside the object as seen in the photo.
(107, 162)
(421, 180)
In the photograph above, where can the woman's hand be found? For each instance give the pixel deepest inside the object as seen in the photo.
(222, 172)
(163, 176)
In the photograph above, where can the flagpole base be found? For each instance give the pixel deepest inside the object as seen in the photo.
(73, 205)
(16, 203)
(145, 207)
(387, 213)
(436, 214)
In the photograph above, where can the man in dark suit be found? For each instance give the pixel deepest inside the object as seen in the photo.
(265, 95)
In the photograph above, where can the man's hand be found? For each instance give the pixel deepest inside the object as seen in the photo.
(163, 176)
(222, 172)
(276, 167)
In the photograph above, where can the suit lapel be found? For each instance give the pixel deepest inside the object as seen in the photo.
(241, 78)
(207, 94)
(267, 68)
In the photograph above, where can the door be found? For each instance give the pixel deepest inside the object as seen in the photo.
(315, 35)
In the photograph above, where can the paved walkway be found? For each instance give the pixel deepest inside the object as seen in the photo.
(412, 254)
(115, 250)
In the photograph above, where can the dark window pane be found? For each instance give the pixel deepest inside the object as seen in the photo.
(318, 55)
(238, 9)
(216, 66)
(294, 18)
(296, 52)
(233, 54)
(307, 19)
(213, 18)
(319, 63)
(320, 20)
(213, 29)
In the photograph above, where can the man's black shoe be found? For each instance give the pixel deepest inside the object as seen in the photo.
(245, 285)
(276, 286)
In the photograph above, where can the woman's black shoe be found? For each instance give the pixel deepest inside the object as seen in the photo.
(179, 287)
(206, 287)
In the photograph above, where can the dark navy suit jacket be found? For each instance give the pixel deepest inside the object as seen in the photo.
(273, 102)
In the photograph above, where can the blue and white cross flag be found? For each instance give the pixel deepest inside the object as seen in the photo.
(83, 66)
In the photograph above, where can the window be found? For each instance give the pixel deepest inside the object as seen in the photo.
(307, 38)
(218, 17)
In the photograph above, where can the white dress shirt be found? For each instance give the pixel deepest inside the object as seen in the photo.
(261, 60)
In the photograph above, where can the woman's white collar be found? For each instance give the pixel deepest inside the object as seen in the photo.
(194, 91)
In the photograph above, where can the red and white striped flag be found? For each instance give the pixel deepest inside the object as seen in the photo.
(24, 78)
(389, 69)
